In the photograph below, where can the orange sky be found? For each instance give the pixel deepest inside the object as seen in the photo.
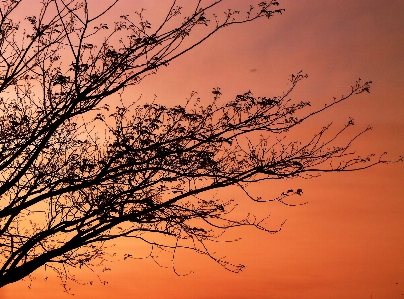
(348, 242)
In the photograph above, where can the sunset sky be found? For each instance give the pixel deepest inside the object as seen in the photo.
(348, 241)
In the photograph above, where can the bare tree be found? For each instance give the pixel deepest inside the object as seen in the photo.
(67, 187)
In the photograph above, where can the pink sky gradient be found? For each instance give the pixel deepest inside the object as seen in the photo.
(348, 241)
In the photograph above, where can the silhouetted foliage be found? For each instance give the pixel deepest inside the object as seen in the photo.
(69, 184)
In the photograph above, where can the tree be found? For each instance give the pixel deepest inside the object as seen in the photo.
(68, 188)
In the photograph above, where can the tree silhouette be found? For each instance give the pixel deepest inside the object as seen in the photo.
(68, 187)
